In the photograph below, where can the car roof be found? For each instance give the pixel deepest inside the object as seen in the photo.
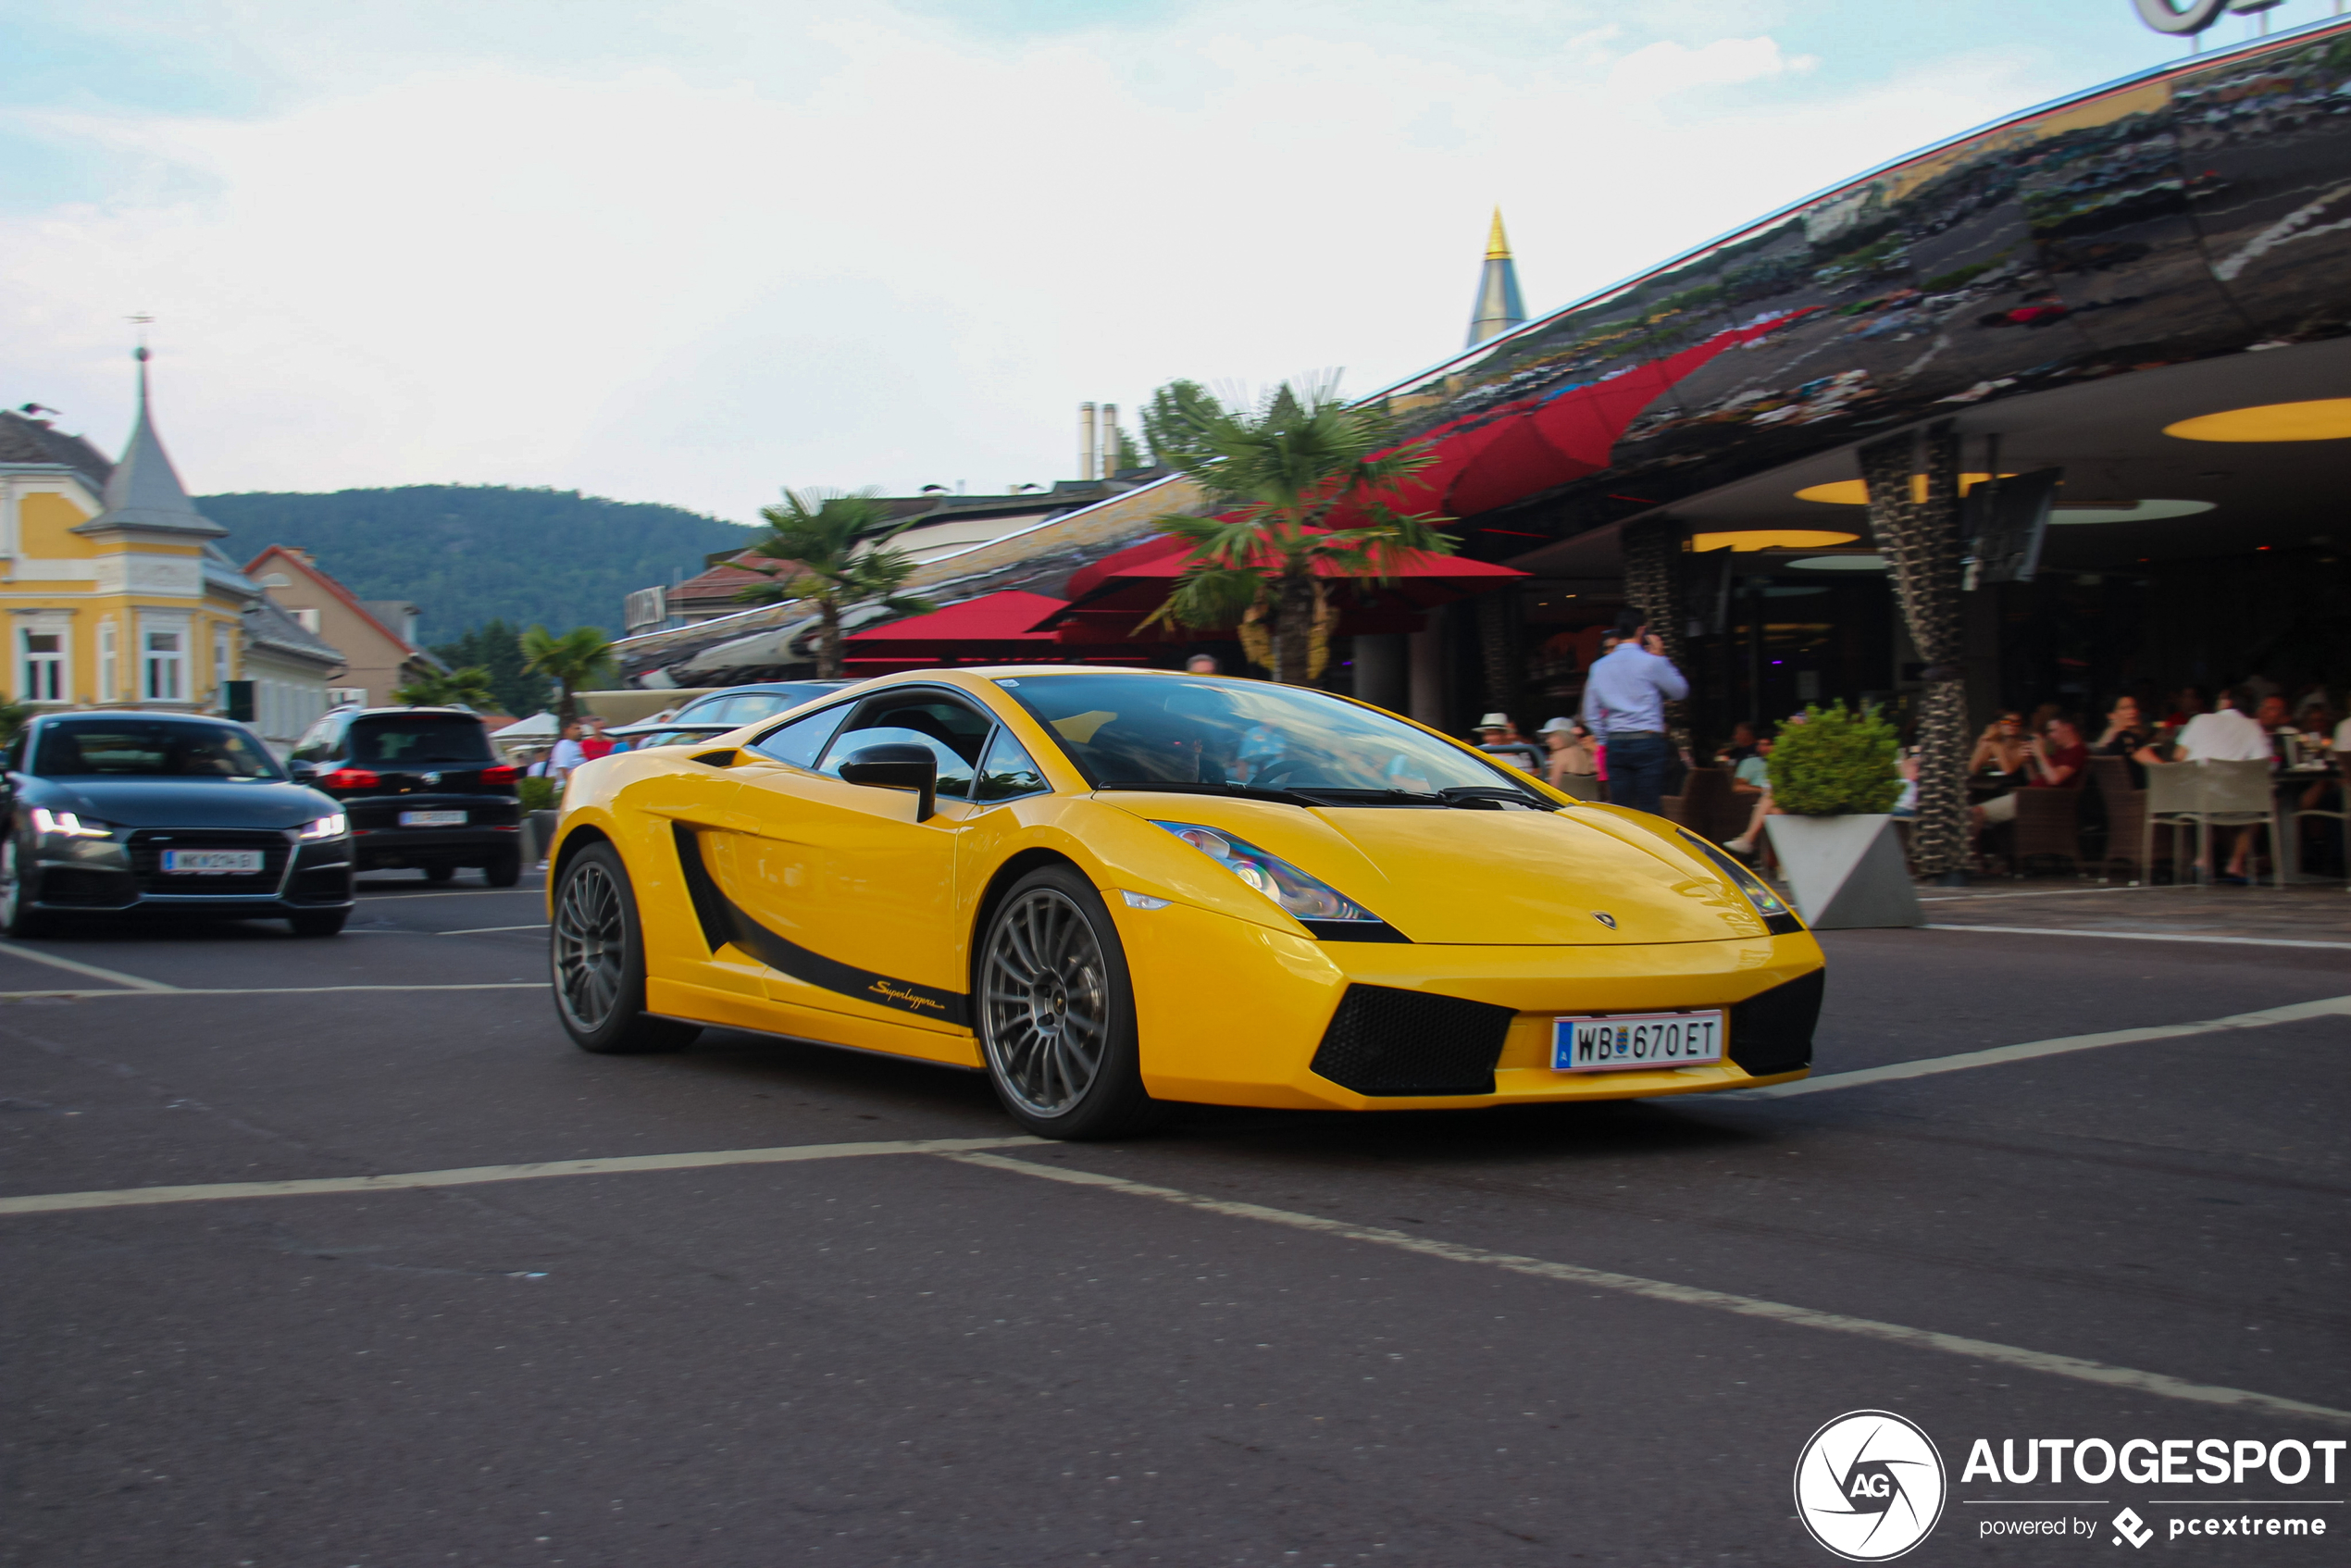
(139, 714)
(385, 713)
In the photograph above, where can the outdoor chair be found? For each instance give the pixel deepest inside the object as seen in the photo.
(2204, 795)
(2241, 794)
(2127, 841)
(2340, 816)
(2046, 827)
(1707, 805)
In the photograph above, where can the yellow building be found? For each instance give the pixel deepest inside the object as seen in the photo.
(114, 592)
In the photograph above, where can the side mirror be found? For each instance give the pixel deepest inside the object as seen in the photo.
(897, 766)
(302, 772)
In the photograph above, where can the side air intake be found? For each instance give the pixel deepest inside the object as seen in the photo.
(1772, 1032)
(1383, 1041)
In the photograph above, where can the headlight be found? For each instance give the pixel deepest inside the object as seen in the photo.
(1303, 896)
(333, 825)
(65, 825)
(1778, 919)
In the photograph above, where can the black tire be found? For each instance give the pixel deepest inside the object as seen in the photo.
(596, 951)
(506, 871)
(441, 873)
(319, 921)
(1056, 1013)
(18, 917)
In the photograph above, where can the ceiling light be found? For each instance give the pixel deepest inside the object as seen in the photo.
(2325, 419)
(1843, 564)
(2128, 512)
(1770, 539)
(1856, 492)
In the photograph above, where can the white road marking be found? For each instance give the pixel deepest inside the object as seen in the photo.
(76, 966)
(475, 1175)
(2293, 1012)
(2143, 936)
(485, 930)
(2054, 894)
(366, 896)
(273, 990)
(2124, 1378)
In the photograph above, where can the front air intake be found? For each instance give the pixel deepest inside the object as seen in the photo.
(1772, 1032)
(1383, 1041)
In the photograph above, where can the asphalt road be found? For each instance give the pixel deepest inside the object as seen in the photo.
(1585, 1334)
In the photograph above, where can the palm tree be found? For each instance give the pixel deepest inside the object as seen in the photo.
(1276, 475)
(570, 661)
(468, 687)
(831, 545)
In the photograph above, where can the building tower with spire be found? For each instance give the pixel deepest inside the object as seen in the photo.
(1498, 308)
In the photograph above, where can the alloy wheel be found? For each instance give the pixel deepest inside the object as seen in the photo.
(1046, 1003)
(589, 947)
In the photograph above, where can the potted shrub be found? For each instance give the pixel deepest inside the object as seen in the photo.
(1835, 777)
(541, 803)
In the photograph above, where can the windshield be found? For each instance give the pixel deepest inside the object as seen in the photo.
(420, 737)
(1131, 730)
(149, 749)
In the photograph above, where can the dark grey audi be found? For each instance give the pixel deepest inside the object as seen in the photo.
(110, 813)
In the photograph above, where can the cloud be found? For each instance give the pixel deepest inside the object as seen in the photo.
(856, 246)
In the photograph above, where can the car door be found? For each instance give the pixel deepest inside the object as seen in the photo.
(851, 901)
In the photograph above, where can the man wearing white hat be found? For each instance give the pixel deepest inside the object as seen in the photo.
(1497, 736)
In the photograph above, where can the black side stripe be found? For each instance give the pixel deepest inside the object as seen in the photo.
(724, 921)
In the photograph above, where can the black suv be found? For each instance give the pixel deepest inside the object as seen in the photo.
(423, 789)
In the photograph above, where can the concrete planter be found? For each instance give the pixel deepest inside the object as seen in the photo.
(1846, 871)
(537, 832)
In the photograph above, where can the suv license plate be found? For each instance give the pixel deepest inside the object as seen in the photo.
(213, 861)
(432, 819)
(1621, 1041)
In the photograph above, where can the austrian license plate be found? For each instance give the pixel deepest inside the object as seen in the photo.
(432, 819)
(213, 861)
(1620, 1042)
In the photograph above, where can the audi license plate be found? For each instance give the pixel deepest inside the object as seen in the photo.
(432, 819)
(212, 862)
(1620, 1042)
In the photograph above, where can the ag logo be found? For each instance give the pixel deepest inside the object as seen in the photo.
(1869, 1486)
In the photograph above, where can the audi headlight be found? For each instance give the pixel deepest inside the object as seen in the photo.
(65, 825)
(1306, 896)
(333, 826)
(1778, 919)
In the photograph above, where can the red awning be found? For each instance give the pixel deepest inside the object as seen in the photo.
(996, 625)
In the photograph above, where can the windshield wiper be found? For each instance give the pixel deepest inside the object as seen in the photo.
(1467, 797)
(1243, 791)
(1346, 795)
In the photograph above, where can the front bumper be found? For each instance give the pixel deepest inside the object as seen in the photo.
(1237, 1014)
(125, 873)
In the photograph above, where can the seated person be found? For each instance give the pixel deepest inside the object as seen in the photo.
(1753, 777)
(2057, 761)
(2228, 733)
(2002, 747)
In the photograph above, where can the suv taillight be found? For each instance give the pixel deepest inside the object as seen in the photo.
(500, 775)
(350, 778)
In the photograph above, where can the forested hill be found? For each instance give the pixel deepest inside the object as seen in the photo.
(466, 553)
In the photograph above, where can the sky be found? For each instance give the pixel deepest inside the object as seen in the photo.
(695, 251)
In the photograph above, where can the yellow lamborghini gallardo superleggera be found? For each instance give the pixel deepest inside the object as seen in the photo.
(1113, 888)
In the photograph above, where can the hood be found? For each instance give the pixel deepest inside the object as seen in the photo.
(182, 802)
(1502, 878)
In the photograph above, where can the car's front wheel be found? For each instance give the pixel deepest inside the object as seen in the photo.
(1057, 1012)
(18, 917)
(597, 950)
(504, 871)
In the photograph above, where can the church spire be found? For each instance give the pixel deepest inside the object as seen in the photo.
(144, 490)
(1498, 308)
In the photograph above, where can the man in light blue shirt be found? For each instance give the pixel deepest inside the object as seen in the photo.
(1624, 700)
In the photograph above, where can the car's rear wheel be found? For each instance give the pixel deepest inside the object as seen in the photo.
(319, 921)
(18, 917)
(597, 950)
(1057, 1013)
(504, 871)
